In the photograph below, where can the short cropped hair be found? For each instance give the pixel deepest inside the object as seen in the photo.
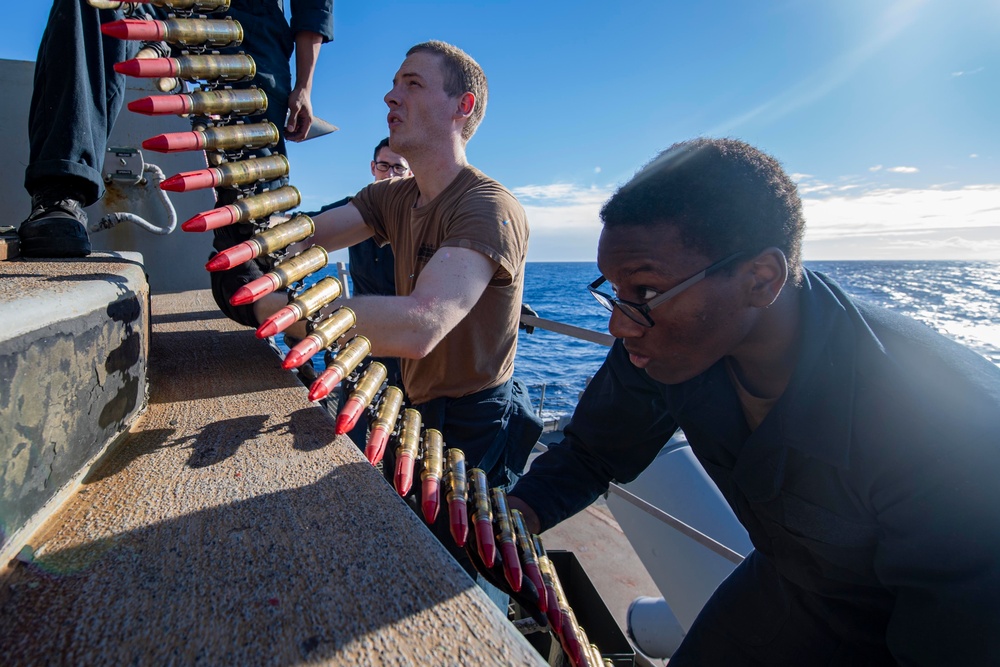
(378, 149)
(462, 75)
(721, 195)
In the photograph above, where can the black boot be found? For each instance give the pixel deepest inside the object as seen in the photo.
(57, 226)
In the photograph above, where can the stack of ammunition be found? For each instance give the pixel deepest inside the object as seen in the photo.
(224, 126)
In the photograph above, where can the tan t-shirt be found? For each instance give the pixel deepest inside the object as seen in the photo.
(474, 212)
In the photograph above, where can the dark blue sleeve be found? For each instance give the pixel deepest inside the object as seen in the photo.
(617, 429)
(313, 15)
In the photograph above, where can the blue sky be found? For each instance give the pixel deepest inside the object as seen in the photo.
(882, 109)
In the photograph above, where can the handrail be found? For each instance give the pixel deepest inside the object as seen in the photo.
(568, 330)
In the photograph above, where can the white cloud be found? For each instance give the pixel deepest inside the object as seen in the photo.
(897, 223)
(597, 170)
(877, 167)
(903, 170)
(973, 155)
(969, 73)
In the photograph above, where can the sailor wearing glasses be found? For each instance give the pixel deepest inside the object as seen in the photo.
(859, 449)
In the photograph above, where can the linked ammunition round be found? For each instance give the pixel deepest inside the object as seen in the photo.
(409, 434)
(523, 537)
(298, 267)
(333, 327)
(313, 299)
(501, 515)
(281, 236)
(480, 495)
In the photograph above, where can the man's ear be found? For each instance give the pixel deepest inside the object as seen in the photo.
(770, 272)
(466, 103)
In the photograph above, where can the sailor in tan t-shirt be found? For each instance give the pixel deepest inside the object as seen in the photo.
(460, 240)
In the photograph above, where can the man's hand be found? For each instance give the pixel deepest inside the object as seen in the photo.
(300, 116)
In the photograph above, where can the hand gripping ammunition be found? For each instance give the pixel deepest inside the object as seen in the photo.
(505, 539)
(305, 304)
(227, 174)
(256, 207)
(241, 102)
(221, 138)
(269, 241)
(430, 476)
(212, 68)
(482, 516)
(406, 452)
(458, 496)
(289, 271)
(215, 34)
(384, 424)
(362, 396)
(548, 573)
(322, 336)
(342, 365)
(528, 558)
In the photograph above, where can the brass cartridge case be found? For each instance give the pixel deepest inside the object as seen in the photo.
(333, 327)
(501, 516)
(281, 236)
(480, 495)
(433, 454)
(266, 203)
(323, 292)
(202, 32)
(228, 68)
(523, 537)
(351, 355)
(409, 434)
(193, 5)
(458, 488)
(233, 137)
(296, 268)
(370, 382)
(242, 102)
(241, 172)
(388, 409)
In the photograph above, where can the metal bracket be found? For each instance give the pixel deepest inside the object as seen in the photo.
(123, 164)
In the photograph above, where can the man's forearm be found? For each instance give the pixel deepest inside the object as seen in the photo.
(307, 45)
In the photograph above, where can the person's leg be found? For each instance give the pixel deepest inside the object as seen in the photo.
(76, 98)
(267, 39)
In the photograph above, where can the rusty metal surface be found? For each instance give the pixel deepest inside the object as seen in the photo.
(233, 527)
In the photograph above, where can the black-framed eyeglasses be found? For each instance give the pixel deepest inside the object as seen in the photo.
(397, 169)
(639, 312)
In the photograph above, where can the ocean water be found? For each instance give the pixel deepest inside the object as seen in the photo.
(959, 299)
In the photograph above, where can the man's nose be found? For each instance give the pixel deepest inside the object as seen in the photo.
(390, 97)
(621, 325)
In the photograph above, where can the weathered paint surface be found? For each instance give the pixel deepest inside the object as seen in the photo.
(70, 380)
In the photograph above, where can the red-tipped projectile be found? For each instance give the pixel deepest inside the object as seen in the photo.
(230, 257)
(255, 290)
(511, 565)
(375, 449)
(148, 68)
(173, 142)
(570, 642)
(349, 415)
(431, 498)
(484, 539)
(278, 322)
(161, 105)
(191, 180)
(325, 383)
(553, 612)
(404, 474)
(147, 31)
(458, 519)
(217, 217)
(301, 353)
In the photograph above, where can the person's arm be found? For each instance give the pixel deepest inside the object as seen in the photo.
(617, 429)
(413, 325)
(300, 117)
